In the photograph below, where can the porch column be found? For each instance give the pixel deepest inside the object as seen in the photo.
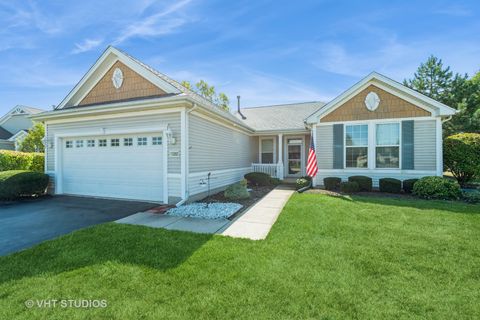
(280, 157)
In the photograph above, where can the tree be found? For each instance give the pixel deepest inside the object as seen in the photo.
(461, 154)
(455, 90)
(33, 140)
(204, 89)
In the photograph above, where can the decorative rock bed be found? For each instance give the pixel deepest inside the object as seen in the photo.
(202, 210)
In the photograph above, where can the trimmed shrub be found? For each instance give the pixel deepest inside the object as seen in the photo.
(332, 183)
(303, 182)
(244, 182)
(408, 185)
(349, 186)
(364, 183)
(275, 181)
(236, 192)
(461, 156)
(17, 183)
(390, 185)
(471, 196)
(437, 188)
(14, 160)
(259, 179)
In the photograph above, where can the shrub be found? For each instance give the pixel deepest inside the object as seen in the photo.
(17, 183)
(259, 179)
(349, 186)
(437, 188)
(461, 156)
(364, 183)
(471, 196)
(390, 185)
(244, 182)
(332, 183)
(14, 160)
(236, 191)
(303, 182)
(275, 181)
(408, 185)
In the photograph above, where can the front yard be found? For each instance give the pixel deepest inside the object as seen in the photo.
(325, 257)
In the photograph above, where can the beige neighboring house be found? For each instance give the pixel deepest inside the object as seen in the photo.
(15, 125)
(128, 131)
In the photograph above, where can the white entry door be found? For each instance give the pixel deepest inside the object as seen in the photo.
(117, 166)
(294, 154)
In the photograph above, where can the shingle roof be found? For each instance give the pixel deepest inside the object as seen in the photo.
(279, 117)
(4, 134)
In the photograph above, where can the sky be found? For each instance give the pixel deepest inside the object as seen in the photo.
(269, 52)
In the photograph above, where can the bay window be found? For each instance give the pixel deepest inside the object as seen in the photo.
(387, 145)
(356, 146)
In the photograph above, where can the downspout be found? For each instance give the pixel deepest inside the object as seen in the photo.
(186, 195)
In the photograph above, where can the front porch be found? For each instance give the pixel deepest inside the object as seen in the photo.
(282, 156)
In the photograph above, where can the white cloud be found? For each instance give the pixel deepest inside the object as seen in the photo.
(86, 45)
(155, 25)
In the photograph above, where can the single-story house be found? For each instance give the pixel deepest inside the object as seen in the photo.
(14, 126)
(128, 131)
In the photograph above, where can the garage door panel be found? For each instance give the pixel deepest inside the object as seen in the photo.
(125, 171)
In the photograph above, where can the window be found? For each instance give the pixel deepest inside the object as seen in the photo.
(127, 142)
(267, 154)
(69, 144)
(102, 142)
(79, 143)
(388, 145)
(142, 141)
(90, 143)
(157, 141)
(356, 146)
(114, 142)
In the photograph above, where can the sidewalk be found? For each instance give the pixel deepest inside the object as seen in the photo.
(256, 222)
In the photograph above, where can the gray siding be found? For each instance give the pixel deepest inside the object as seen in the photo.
(216, 147)
(7, 145)
(425, 145)
(172, 119)
(17, 123)
(324, 147)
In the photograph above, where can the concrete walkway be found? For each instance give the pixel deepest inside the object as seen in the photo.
(256, 222)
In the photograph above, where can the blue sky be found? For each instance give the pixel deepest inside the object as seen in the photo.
(267, 51)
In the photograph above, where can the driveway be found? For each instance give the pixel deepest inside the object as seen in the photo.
(24, 224)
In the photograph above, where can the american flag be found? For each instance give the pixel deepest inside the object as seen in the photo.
(312, 160)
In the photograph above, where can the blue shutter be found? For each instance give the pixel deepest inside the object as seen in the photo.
(407, 145)
(338, 146)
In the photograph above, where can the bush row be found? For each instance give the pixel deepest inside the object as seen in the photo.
(15, 160)
(20, 183)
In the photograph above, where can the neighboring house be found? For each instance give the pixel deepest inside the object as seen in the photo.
(128, 131)
(14, 126)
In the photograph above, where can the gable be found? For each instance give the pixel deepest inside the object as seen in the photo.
(133, 86)
(391, 106)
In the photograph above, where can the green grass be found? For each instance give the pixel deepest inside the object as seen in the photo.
(325, 258)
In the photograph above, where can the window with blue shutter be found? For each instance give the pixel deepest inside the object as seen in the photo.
(338, 146)
(407, 145)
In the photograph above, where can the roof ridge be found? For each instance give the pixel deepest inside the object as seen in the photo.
(283, 104)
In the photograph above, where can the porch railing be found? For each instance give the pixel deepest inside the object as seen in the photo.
(272, 169)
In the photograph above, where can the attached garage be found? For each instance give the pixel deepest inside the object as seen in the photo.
(125, 166)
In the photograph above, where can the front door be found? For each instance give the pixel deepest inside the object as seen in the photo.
(294, 157)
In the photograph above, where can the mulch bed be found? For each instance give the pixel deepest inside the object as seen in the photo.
(256, 194)
(367, 194)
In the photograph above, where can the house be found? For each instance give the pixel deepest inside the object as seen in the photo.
(14, 126)
(128, 131)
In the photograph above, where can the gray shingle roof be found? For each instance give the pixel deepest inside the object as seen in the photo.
(4, 134)
(279, 117)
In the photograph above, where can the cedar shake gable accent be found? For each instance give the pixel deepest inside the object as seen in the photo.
(390, 107)
(133, 86)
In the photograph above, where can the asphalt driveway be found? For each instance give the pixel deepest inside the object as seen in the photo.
(24, 224)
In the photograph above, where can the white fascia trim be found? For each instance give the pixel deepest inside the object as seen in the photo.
(120, 56)
(280, 131)
(439, 147)
(10, 114)
(383, 83)
(18, 134)
(183, 154)
(204, 173)
(174, 101)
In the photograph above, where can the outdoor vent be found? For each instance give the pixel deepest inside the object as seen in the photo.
(238, 108)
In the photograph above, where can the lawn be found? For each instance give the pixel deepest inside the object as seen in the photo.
(326, 257)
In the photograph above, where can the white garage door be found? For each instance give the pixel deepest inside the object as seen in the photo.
(117, 166)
